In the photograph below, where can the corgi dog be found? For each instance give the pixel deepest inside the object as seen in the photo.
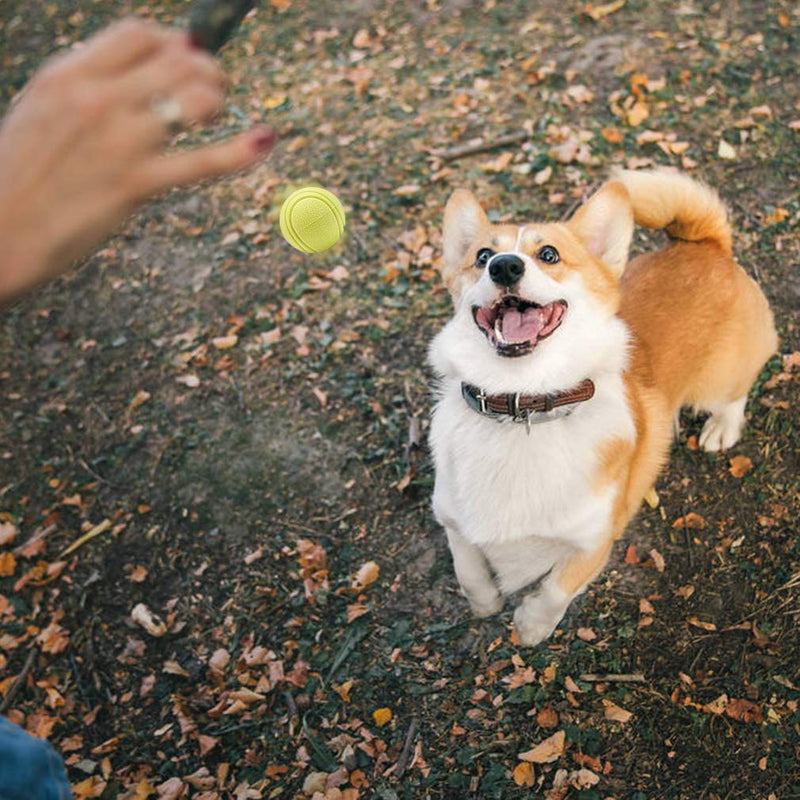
(562, 371)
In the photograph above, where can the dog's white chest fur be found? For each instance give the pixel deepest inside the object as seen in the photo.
(498, 483)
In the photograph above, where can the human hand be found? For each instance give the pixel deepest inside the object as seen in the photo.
(84, 144)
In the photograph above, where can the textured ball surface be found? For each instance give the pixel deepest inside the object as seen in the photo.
(312, 219)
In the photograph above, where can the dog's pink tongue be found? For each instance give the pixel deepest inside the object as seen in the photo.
(522, 326)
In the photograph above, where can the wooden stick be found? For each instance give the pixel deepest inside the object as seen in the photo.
(634, 677)
(41, 534)
(405, 754)
(12, 692)
(481, 146)
(96, 531)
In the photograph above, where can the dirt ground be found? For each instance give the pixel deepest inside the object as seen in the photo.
(242, 429)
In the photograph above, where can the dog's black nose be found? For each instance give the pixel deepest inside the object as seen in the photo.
(506, 269)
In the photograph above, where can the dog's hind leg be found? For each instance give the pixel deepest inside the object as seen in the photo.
(539, 612)
(724, 427)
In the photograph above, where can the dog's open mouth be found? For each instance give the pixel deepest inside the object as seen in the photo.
(514, 326)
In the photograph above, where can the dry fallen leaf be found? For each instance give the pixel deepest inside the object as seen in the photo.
(140, 399)
(151, 622)
(548, 750)
(725, 151)
(137, 574)
(225, 342)
(598, 12)
(717, 706)
(367, 574)
(658, 560)
(744, 711)
(699, 623)
(190, 380)
(174, 668)
(651, 497)
(8, 532)
(615, 713)
(547, 718)
(91, 787)
(740, 466)
(8, 564)
(382, 716)
(523, 774)
(631, 556)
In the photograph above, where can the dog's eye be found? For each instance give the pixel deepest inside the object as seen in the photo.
(549, 255)
(483, 256)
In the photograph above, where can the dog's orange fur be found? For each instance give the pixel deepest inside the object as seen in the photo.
(701, 330)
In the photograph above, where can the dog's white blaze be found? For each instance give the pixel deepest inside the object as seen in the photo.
(519, 239)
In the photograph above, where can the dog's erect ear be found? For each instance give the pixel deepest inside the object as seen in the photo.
(463, 220)
(605, 224)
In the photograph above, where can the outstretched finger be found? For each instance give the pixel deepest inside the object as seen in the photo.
(211, 161)
(123, 44)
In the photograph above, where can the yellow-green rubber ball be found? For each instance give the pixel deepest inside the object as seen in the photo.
(312, 219)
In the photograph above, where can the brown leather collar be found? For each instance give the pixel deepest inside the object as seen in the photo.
(525, 408)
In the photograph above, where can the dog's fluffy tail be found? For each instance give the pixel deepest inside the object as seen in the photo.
(686, 209)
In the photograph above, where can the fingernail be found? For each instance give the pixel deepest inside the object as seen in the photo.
(196, 40)
(264, 140)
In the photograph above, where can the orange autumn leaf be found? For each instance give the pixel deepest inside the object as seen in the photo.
(740, 466)
(699, 623)
(356, 610)
(612, 135)
(91, 787)
(137, 574)
(744, 711)
(344, 690)
(40, 724)
(382, 716)
(691, 520)
(523, 774)
(631, 556)
(53, 639)
(596, 13)
(358, 779)
(547, 718)
(8, 564)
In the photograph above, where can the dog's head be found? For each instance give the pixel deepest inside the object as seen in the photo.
(543, 291)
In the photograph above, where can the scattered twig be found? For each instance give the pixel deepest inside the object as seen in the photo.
(41, 534)
(405, 754)
(481, 146)
(633, 677)
(102, 527)
(18, 683)
(97, 475)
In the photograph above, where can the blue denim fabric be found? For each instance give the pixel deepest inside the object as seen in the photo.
(29, 767)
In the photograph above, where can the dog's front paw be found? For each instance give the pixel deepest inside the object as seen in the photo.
(485, 604)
